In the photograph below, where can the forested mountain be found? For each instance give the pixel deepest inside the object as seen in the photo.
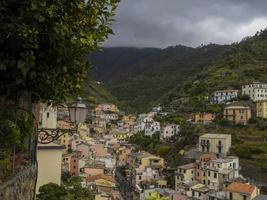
(140, 78)
(94, 92)
(243, 63)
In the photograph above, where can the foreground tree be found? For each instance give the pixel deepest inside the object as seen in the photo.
(51, 191)
(44, 45)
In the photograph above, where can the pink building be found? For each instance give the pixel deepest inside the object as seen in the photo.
(99, 150)
(74, 165)
(204, 117)
(94, 170)
(237, 114)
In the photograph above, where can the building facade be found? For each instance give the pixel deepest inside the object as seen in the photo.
(237, 114)
(215, 143)
(49, 157)
(261, 109)
(256, 91)
(170, 130)
(223, 96)
(204, 118)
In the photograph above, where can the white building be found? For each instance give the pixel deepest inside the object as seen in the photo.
(215, 143)
(151, 128)
(223, 96)
(256, 91)
(221, 171)
(48, 116)
(143, 121)
(170, 130)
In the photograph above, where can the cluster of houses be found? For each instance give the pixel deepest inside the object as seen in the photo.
(238, 112)
(111, 168)
(214, 174)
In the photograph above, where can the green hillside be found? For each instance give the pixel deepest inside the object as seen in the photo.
(95, 92)
(243, 63)
(140, 78)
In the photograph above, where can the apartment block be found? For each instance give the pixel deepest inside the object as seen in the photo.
(223, 96)
(256, 91)
(237, 114)
(215, 143)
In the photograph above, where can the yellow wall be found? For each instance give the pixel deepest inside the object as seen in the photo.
(261, 109)
(147, 161)
(49, 166)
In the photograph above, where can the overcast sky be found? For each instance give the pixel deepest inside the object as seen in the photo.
(162, 23)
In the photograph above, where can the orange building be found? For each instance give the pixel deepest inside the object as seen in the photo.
(237, 114)
(204, 117)
(204, 160)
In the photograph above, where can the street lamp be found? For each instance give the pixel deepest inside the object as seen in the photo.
(77, 111)
(77, 115)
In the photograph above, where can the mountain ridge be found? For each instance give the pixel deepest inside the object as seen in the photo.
(139, 77)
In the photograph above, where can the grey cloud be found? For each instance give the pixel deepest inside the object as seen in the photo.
(161, 23)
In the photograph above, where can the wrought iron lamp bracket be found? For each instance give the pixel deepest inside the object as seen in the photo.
(46, 135)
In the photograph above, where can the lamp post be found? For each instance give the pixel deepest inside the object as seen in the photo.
(77, 115)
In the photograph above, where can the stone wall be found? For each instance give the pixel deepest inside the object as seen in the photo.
(20, 186)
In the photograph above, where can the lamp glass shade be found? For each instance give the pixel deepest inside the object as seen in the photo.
(77, 112)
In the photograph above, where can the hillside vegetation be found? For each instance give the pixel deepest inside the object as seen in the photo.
(243, 63)
(140, 78)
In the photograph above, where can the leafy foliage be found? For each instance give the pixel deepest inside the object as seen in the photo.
(140, 78)
(44, 43)
(51, 191)
(70, 189)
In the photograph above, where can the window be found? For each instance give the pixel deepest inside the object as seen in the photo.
(215, 175)
(208, 173)
(47, 115)
(192, 172)
(208, 182)
(140, 177)
(231, 196)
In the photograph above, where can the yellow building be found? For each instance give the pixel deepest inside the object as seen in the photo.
(49, 157)
(120, 136)
(64, 140)
(184, 173)
(107, 107)
(157, 196)
(261, 109)
(121, 155)
(241, 191)
(144, 159)
(84, 131)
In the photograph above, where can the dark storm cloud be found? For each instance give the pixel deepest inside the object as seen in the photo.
(161, 23)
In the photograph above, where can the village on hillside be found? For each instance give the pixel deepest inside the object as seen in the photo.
(111, 167)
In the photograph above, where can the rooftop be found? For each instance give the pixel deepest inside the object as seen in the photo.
(227, 90)
(187, 166)
(100, 176)
(237, 107)
(241, 188)
(211, 135)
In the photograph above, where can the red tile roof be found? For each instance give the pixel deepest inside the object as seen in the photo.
(100, 176)
(241, 188)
